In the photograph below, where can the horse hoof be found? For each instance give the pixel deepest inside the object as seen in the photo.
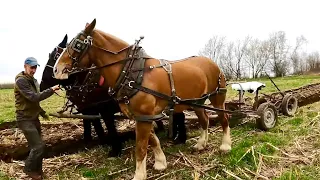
(225, 148)
(199, 147)
(160, 166)
(140, 177)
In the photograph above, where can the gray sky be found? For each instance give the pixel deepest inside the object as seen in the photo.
(173, 29)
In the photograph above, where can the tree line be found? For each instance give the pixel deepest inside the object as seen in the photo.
(253, 58)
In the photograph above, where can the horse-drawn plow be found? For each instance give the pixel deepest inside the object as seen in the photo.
(66, 136)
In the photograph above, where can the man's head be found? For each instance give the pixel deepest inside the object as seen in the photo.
(30, 66)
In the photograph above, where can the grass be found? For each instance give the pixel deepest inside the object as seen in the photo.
(3, 176)
(303, 173)
(266, 152)
(283, 83)
(7, 104)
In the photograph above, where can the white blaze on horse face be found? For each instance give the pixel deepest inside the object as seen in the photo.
(59, 67)
(141, 169)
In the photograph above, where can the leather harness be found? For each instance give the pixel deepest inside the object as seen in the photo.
(130, 80)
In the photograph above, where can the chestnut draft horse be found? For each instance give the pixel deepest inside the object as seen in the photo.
(146, 87)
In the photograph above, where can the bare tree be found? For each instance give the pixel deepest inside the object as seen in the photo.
(257, 56)
(279, 50)
(213, 48)
(313, 61)
(295, 56)
(227, 61)
(239, 52)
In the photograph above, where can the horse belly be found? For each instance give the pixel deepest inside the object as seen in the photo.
(190, 83)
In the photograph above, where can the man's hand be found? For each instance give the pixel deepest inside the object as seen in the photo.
(55, 88)
(45, 115)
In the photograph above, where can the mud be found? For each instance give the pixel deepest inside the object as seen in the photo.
(306, 94)
(60, 138)
(66, 137)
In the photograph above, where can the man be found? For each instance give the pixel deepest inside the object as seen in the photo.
(27, 103)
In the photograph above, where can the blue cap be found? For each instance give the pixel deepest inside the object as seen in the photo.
(31, 61)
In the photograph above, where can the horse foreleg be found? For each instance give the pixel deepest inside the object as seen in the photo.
(99, 130)
(116, 142)
(223, 117)
(179, 128)
(160, 159)
(143, 131)
(87, 130)
(204, 122)
(226, 139)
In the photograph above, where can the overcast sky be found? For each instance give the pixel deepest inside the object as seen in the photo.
(173, 29)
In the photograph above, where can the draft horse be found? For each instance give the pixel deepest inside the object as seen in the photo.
(83, 92)
(146, 87)
(86, 94)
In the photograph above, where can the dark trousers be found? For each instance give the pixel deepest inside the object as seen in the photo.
(32, 132)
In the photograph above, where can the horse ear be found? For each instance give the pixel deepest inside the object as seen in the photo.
(63, 43)
(89, 27)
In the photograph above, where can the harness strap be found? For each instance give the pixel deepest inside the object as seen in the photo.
(168, 68)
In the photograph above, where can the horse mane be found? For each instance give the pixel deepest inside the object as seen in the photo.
(111, 39)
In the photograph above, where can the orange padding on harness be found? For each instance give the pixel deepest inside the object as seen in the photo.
(101, 80)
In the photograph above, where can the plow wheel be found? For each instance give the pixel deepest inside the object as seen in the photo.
(289, 105)
(258, 102)
(268, 116)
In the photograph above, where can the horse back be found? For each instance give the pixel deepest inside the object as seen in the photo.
(193, 77)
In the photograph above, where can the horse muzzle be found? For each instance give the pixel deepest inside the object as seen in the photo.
(60, 72)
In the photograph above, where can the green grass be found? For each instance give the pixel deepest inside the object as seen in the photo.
(283, 83)
(3, 176)
(303, 173)
(7, 104)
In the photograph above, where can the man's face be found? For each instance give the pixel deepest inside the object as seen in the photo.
(30, 70)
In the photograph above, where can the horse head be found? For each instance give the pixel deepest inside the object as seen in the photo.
(47, 79)
(91, 46)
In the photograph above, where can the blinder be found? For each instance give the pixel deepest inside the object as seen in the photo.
(79, 46)
(57, 54)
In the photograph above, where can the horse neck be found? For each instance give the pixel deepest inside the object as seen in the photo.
(102, 58)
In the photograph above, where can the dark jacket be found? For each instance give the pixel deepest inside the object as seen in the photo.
(28, 97)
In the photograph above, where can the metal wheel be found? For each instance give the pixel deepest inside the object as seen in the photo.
(289, 105)
(268, 116)
(258, 102)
